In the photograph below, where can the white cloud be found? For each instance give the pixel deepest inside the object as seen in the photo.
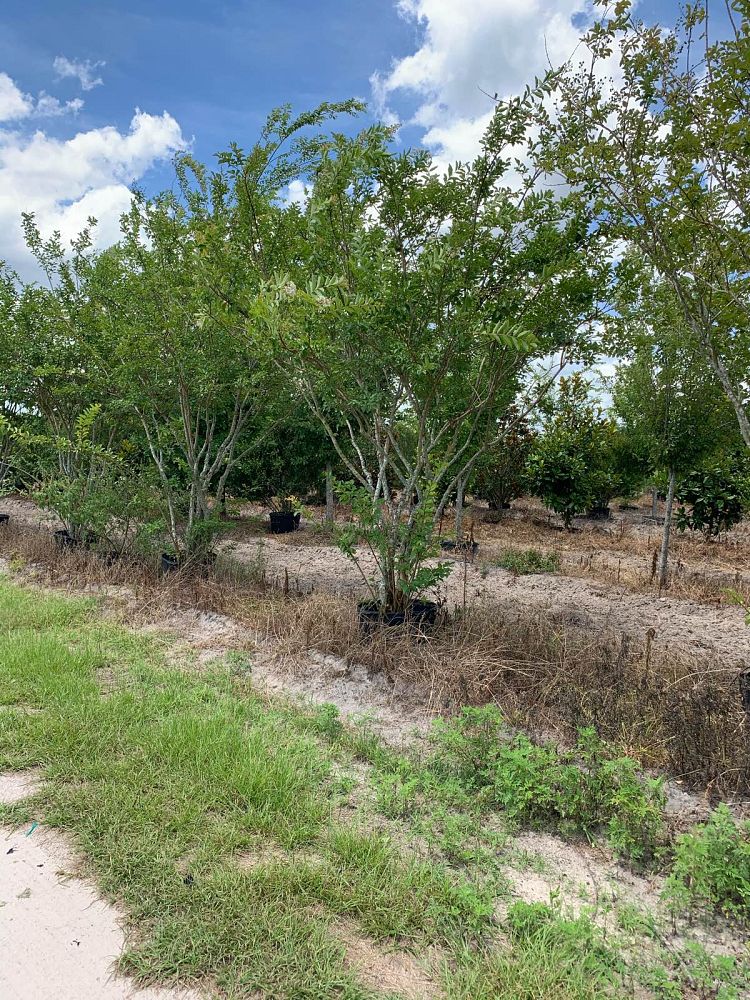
(13, 103)
(470, 50)
(50, 107)
(16, 106)
(82, 70)
(63, 181)
(296, 193)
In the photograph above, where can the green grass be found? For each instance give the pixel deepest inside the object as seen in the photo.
(525, 561)
(167, 778)
(171, 776)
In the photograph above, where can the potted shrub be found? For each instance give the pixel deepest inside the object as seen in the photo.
(285, 514)
(170, 560)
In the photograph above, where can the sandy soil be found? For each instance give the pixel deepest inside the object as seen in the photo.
(678, 624)
(58, 939)
(311, 562)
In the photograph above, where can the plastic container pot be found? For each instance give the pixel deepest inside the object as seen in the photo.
(169, 563)
(283, 521)
(64, 539)
(371, 615)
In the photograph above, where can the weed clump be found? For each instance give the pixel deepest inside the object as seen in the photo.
(712, 866)
(582, 790)
(525, 561)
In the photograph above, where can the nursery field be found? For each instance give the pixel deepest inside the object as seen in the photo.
(250, 843)
(375, 537)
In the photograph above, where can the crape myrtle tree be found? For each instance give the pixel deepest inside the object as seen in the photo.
(186, 362)
(66, 426)
(670, 403)
(12, 410)
(663, 158)
(414, 310)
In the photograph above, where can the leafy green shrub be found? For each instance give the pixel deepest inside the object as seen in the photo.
(500, 474)
(524, 561)
(585, 789)
(712, 866)
(572, 465)
(718, 498)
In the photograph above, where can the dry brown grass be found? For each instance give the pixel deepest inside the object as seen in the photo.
(670, 711)
(679, 713)
(622, 551)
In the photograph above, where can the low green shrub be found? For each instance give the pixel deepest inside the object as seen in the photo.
(711, 866)
(525, 561)
(584, 789)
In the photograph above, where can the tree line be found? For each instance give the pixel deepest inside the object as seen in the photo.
(406, 328)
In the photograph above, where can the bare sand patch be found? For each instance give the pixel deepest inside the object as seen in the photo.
(17, 785)
(384, 971)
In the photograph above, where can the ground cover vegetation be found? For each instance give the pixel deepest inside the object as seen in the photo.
(262, 862)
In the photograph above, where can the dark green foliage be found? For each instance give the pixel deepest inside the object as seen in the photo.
(501, 474)
(571, 466)
(717, 497)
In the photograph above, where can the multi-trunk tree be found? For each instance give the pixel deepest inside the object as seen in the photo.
(415, 311)
(660, 149)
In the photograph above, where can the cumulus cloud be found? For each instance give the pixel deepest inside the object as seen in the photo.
(63, 181)
(296, 193)
(470, 50)
(82, 70)
(13, 103)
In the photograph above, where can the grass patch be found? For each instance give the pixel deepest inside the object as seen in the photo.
(525, 561)
(549, 956)
(168, 780)
(164, 782)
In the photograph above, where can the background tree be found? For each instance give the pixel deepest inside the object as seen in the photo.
(718, 496)
(501, 472)
(570, 466)
(668, 400)
(663, 159)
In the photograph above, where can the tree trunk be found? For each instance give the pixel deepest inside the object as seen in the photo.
(329, 496)
(664, 555)
(459, 510)
(654, 502)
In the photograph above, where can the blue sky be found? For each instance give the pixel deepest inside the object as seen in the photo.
(204, 74)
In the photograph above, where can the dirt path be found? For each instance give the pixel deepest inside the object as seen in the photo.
(676, 624)
(313, 564)
(58, 939)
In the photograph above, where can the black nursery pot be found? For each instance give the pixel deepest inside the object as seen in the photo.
(599, 513)
(370, 615)
(4, 518)
(169, 563)
(64, 539)
(283, 521)
(448, 545)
